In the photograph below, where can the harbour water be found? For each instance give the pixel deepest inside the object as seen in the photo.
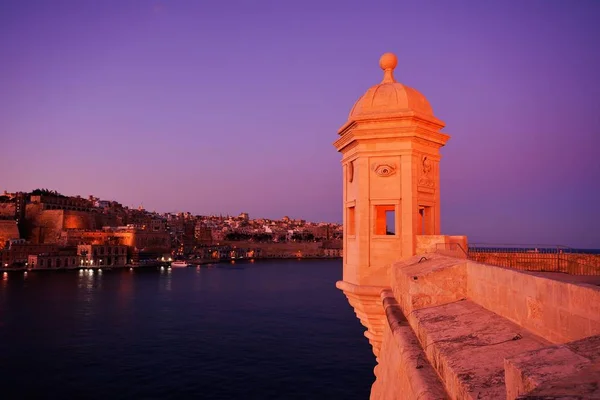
(265, 330)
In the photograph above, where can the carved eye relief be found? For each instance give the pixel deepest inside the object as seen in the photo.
(385, 170)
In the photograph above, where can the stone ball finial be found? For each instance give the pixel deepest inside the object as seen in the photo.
(388, 62)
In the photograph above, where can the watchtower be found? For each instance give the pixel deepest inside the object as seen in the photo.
(390, 158)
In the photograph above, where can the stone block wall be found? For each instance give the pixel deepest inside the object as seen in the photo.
(402, 371)
(7, 210)
(48, 224)
(281, 250)
(78, 220)
(427, 281)
(8, 230)
(567, 371)
(485, 330)
(557, 311)
(452, 246)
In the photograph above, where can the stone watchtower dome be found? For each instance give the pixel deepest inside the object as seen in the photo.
(389, 98)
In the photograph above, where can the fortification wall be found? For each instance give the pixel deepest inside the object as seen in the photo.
(78, 220)
(32, 210)
(102, 220)
(485, 330)
(286, 249)
(47, 225)
(7, 210)
(155, 241)
(8, 230)
(402, 371)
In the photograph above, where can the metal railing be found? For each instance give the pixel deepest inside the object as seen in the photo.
(451, 250)
(542, 258)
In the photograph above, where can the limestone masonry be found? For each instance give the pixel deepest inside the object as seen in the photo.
(443, 326)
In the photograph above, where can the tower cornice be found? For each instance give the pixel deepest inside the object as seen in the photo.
(416, 133)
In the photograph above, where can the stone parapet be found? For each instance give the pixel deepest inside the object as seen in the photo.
(571, 369)
(467, 345)
(468, 318)
(428, 280)
(452, 246)
(403, 371)
(558, 311)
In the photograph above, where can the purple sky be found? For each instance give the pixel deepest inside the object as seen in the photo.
(229, 106)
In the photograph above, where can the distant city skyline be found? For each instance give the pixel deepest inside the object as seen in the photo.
(136, 206)
(229, 107)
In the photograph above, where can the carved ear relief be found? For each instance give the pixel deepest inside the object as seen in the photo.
(426, 178)
(426, 165)
(384, 170)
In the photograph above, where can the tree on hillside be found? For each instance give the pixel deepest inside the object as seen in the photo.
(235, 236)
(303, 237)
(262, 237)
(45, 192)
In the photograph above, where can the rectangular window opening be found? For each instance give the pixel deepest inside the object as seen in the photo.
(390, 219)
(351, 221)
(426, 220)
(385, 220)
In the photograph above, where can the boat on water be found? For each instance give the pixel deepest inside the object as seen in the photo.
(179, 263)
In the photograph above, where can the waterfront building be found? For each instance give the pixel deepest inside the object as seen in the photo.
(101, 255)
(332, 248)
(203, 234)
(18, 252)
(157, 224)
(53, 261)
(318, 231)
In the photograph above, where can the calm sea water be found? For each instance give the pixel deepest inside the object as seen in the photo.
(267, 330)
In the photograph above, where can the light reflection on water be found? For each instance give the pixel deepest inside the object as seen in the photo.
(88, 284)
(264, 330)
(165, 279)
